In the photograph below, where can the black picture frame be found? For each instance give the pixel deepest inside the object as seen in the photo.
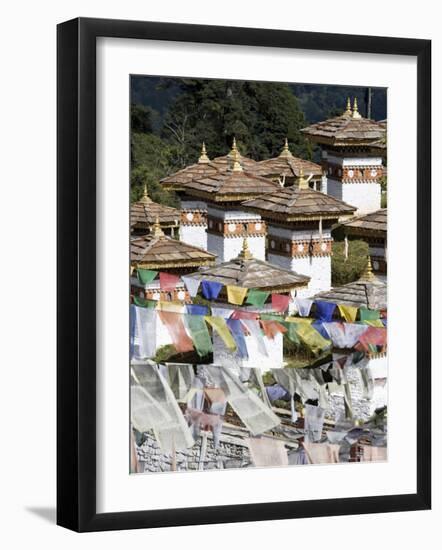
(76, 273)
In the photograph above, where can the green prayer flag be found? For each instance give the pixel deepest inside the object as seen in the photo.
(291, 333)
(257, 297)
(143, 302)
(199, 334)
(366, 314)
(272, 317)
(146, 276)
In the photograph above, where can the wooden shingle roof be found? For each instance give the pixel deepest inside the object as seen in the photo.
(233, 185)
(375, 222)
(146, 212)
(159, 252)
(294, 203)
(348, 129)
(286, 164)
(368, 291)
(248, 272)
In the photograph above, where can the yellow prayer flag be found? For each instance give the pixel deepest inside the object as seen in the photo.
(174, 307)
(219, 324)
(312, 338)
(348, 312)
(303, 320)
(374, 323)
(236, 294)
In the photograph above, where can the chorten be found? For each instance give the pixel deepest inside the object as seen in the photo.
(350, 158)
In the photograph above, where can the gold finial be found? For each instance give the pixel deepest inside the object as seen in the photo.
(286, 151)
(156, 229)
(234, 153)
(245, 253)
(236, 166)
(348, 108)
(355, 113)
(145, 197)
(302, 182)
(203, 157)
(367, 274)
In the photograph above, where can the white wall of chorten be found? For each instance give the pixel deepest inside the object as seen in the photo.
(290, 249)
(226, 230)
(193, 226)
(354, 180)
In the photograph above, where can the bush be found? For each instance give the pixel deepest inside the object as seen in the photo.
(348, 270)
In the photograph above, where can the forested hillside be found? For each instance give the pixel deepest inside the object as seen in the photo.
(170, 117)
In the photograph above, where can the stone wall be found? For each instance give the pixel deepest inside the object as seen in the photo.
(232, 452)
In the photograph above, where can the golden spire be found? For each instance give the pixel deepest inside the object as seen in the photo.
(145, 197)
(355, 113)
(245, 253)
(235, 157)
(286, 151)
(367, 274)
(348, 108)
(156, 230)
(301, 181)
(203, 157)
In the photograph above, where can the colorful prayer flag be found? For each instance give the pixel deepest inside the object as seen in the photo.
(168, 281)
(366, 314)
(257, 297)
(195, 309)
(211, 289)
(146, 276)
(348, 312)
(143, 302)
(272, 328)
(280, 302)
(192, 285)
(236, 328)
(324, 310)
(175, 327)
(199, 334)
(219, 324)
(236, 294)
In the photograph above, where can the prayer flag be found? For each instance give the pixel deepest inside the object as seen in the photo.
(236, 328)
(236, 294)
(175, 307)
(366, 314)
(312, 338)
(243, 314)
(324, 310)
(192, 285)
(143, 302)
(272, 328)
(168, 281)
(303, 305)
(219, 324)
(211, 289)
(348, 312)
(199, 334)
(280, 302)
(223, 312)
(375, 323)
(175, 327)
(257, 297)
(195, 309)
(320, 328)
(146, 276)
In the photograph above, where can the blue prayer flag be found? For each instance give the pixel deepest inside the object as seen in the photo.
(324, 311)
(211, 289)
(235, 327)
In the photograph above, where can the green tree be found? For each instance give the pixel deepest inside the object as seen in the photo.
(150, 161)
(259, 114)
(348, 270)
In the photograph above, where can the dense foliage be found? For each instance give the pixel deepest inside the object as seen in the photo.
(347, 270)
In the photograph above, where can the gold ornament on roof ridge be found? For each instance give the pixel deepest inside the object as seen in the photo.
(355, 113)
(203, 156)
(245, 253)
(348, 110)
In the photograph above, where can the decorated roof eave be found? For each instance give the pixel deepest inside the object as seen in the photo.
(280, 216)
(176, 264)
(148, 224)
(350, 230)
(225, 197)
(341, 142)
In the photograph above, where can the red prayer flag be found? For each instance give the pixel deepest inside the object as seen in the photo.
(375, 336)
(280, 302)
(175, 327)
(272, 328)
(243, 314)
(168, 281)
